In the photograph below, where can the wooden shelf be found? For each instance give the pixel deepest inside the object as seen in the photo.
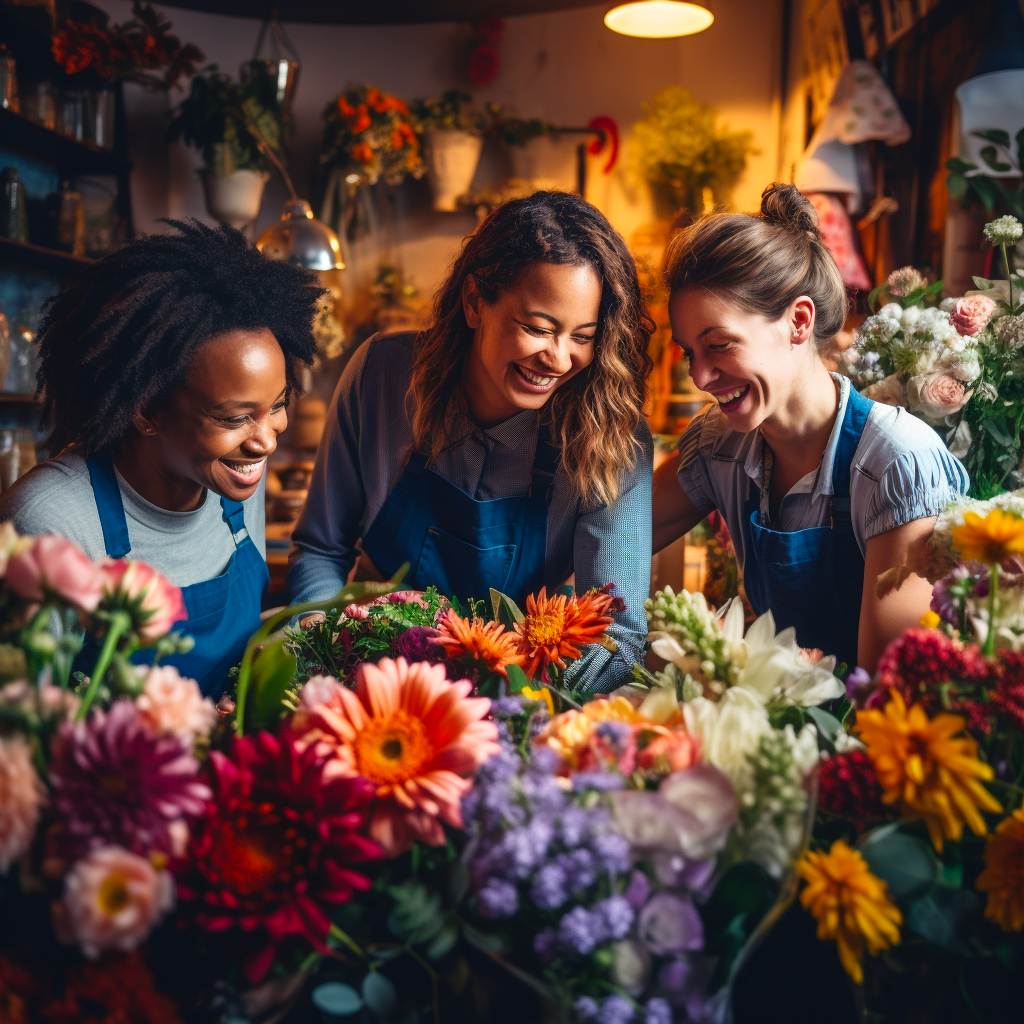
(71, 157)
(27, 254)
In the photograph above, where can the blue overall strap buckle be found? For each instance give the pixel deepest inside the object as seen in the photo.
(234, 516)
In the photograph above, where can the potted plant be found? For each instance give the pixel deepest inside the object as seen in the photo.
(93, 56)
(232, 125)
(529, 142)
(452, 132)
(685, 155)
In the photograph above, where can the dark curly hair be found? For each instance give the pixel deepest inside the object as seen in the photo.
(121, 337)
(594, 417)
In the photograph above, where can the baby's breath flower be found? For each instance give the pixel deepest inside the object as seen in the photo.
(1003, 230)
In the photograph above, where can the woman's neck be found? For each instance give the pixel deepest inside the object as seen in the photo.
(798, 433)
(140, 464)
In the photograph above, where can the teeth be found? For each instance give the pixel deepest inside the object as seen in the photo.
(731, 396)
(245, 468)
(541, 382)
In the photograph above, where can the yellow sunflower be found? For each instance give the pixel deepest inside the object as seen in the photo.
(989, 539)
(850, 904)
(1003, 877)
(927, 769)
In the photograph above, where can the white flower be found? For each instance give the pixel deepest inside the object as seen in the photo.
(1003, 230)
(631, 965)
(1010, 330)
(729, 731)
(773, 666)
(891, 311)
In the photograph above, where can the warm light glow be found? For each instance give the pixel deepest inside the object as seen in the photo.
(658, 19)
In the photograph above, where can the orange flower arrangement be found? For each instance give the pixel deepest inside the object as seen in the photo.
(555, 628)
(569, 733)
(1003, 877)
(417, 737)
(487, 645)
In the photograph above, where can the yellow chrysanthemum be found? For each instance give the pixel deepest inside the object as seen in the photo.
(989, 539)
(930, 620)
(1003, 877)
(850, 904)
(927, 769)
(569, 732)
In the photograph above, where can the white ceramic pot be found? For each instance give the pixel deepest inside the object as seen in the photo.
(234, 198)
(542, 162)
(451, 157)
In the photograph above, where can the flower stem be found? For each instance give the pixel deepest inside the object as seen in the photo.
(990, 637)
(120, 622)
(1009, 275)
(346, 940)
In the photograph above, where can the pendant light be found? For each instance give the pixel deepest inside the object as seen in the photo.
(659, 19)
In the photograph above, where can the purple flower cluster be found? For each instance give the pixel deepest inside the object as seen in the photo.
(620, 1010)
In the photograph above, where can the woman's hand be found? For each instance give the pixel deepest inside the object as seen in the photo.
(673, 511)
(311, 619)
(882, 619)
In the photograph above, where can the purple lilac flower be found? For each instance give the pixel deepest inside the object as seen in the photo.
(545, 943)
(684, 981)
(615, 917)
(498, 898)
(638, 890)
(507, 707)
(616, 1010)
(657, 1011)
(574, 826)
(544, 761)
(601, 781)
(614, 852)
(616, 733)
(857, 683)
(116, 783)
(577, 931)
(580, 869)
(549, 890)
(586, 1008)
(417, 644)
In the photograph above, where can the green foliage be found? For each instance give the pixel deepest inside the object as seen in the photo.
(904, 862)
(273, 670)
(452, 111)
(226, 121)
(969, 185)
(679, 146)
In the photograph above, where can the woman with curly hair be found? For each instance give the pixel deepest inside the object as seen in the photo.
(167, 368)
(504, 446)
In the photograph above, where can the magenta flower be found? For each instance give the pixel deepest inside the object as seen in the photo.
(116, 783)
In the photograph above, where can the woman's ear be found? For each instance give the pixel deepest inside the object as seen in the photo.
(801, 320)
(144, 425)
(471, 299)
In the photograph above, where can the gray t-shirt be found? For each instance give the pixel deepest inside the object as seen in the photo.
(187, 547)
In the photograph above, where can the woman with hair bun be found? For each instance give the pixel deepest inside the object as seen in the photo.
(505, 445)
(821, 488)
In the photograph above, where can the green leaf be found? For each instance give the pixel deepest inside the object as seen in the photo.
(416, 915)
(337, 1000)
(998, 431)
(934, 288)
(991, 157)
(956, 185)
(905, 863)
(983, 283)
(828, 725)
(516, 679)
(959, 166)
(380, 995)
(873, 297)
(939, 917)
(504, 609)
(273, 669)
(443, 942)
(996, 135)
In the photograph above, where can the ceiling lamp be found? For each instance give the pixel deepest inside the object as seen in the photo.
(298, 237)
(659, 19)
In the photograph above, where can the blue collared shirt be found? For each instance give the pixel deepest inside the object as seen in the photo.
(901, 472)
(364, 451)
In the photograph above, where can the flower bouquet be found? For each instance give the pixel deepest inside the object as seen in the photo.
(919, 845)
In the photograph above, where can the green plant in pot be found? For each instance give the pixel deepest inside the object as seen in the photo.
(685, 154)
(452, 132)
(232, 124)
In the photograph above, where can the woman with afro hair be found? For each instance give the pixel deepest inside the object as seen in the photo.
(166, 368)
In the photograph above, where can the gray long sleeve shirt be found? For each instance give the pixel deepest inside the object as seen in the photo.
(364, 452)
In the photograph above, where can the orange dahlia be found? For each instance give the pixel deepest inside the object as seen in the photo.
(1003, 877)
(925, 767)
(417, 737)
(487, 645)
(555, 628)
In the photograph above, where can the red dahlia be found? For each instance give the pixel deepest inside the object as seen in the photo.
(1008, 696)
(919, 661)
(848, 787)
(277, 845)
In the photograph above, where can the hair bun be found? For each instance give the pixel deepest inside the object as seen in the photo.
(786, 206)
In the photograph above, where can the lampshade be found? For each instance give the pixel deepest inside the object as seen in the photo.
(659, 19)
(299, 238)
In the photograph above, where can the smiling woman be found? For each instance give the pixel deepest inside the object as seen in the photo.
(167, 367)
(505, 445)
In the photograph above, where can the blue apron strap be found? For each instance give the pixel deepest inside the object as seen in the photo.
(234, 516)
(857, 409)
(109, 505)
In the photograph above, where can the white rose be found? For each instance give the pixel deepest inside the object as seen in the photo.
(892, 311)
(729, 731)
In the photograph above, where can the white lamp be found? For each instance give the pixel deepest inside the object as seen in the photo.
(659, 19)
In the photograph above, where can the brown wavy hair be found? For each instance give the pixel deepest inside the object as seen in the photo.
(594, 417)
(763, 263)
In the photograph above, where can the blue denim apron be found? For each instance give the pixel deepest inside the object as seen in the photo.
(460, 545)
(223, 612)
(812, 579)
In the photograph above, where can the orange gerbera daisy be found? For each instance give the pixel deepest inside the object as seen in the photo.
(927, 769)
(417, 736)
(989, 539)
(488, 645)
(555, 628)
(1003, 877)
(569, 733)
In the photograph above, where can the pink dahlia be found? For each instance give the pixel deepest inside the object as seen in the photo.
(115, 782)
(153, 602)
(278, 844)
(21, 796)
(417, 736)
(172, 704)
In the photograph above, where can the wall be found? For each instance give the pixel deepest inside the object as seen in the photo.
(564, 66)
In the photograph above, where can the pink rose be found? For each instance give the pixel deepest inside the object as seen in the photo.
(154, 603)
(55, 566)
(934, 396)
(172, 704)
(888, 391)
(971, 314)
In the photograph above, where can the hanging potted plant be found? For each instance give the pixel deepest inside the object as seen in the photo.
(93, 57)
(453, 139)
(226, 121)
(688, 159)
